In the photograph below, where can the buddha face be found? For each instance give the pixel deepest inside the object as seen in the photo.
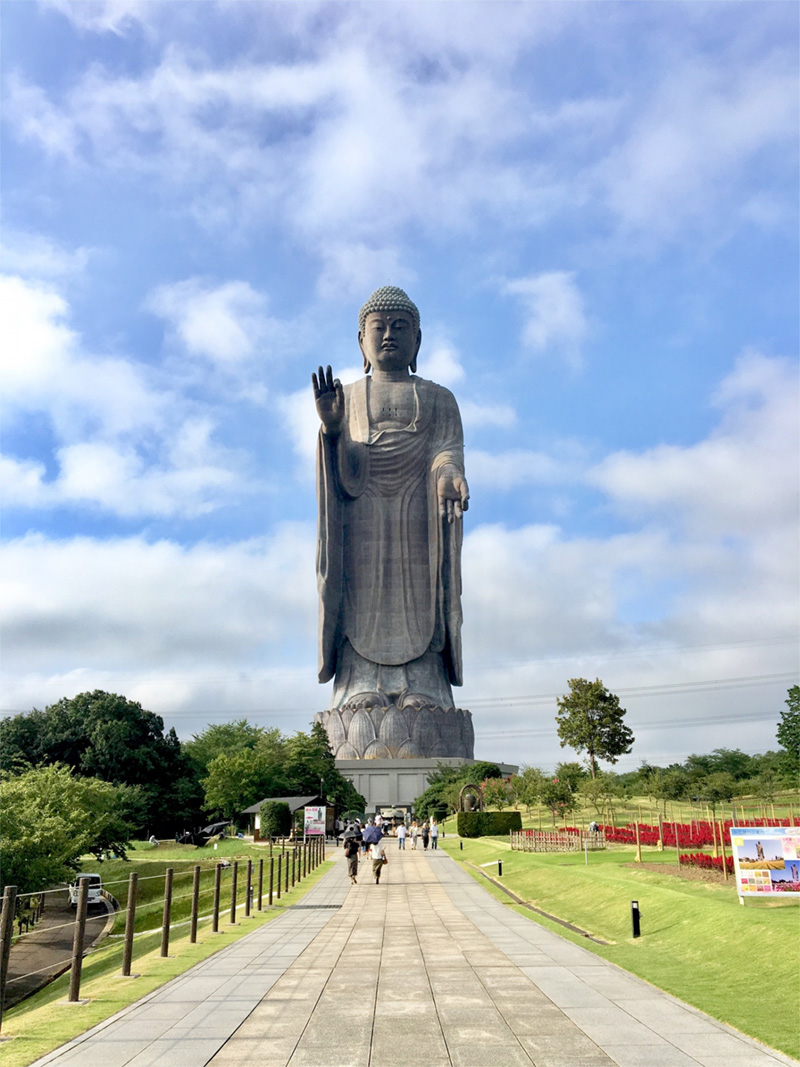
(389, 341)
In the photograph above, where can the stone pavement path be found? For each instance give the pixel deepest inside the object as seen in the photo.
(425, 970)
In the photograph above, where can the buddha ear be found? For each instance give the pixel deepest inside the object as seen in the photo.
(413, 364)
(367, 364)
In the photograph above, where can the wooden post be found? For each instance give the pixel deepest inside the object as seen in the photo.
(259, 904)
(130, 919)
(286, 872)
(195, 906)
(660, 834)
(167, 911)
(248, 891)
(280, 857)
(271, 879)
(294, 864)
(215, 909)
(724, 857)
(677, 845)
(714, 850)
(638, 844)
(234, 888)
(77, 940)
(6, 936)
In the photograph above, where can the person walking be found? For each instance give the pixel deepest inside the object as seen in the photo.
(401, 837)
(377, 854)
(426, 833)
(414, 835)
(434, 834)
(352, 842)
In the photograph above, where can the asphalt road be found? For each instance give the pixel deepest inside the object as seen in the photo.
(46, 951)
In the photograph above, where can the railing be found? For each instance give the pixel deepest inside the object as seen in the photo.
(263, 883)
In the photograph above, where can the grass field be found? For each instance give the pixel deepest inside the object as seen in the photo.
(738, 964)
(45, 1021)
(645, 809)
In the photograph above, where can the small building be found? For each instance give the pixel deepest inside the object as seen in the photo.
(296, 804)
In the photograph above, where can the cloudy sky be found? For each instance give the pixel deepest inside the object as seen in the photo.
(594, 206)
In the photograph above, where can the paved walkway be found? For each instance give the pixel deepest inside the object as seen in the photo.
(425, 970)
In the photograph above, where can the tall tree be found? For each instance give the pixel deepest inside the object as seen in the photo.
(789, 730)
(590, 720)
(105, 735)
(51, 817)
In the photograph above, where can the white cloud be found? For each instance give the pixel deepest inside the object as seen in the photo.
(517, 467)
(475, 415)
(31, 255)
(688, 145)
(226, 324)
(125, 442)
(741, 480)
(441, 362)
(554, 317)
(103, 16)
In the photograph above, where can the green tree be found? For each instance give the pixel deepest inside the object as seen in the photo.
(527, 785)
(557, 797)
(276, 819)
(51, 817)
(105, 735)
(444, 785)
(219, 738)
(590, 720)
(789, 731)
(716, 788)
(599, 791)
(237, 780)
(496, 793)
(572, 773)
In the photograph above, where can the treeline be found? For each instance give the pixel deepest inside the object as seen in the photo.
(90, 773)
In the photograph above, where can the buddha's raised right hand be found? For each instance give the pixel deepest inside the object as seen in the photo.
(329, 398)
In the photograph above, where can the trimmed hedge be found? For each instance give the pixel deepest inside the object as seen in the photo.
(488, 823)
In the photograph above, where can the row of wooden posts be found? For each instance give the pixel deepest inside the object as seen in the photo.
(282, 873)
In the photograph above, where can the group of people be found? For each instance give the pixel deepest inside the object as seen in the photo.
(368, 841)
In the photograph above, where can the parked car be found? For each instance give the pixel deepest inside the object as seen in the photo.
(94, 895)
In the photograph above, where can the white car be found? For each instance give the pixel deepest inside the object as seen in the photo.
(94, 896)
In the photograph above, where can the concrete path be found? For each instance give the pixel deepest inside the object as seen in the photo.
(425, 970)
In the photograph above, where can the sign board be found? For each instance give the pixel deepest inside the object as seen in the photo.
(314, 820)
(766, 860)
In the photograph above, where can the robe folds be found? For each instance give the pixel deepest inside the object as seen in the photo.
(388, 566)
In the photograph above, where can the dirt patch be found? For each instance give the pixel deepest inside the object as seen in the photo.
(685, 871)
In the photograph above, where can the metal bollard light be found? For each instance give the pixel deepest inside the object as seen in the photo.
(636, 918)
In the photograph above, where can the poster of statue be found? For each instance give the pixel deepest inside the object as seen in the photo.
(766, 860)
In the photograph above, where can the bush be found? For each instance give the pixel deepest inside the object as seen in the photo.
(276, 819)
(488, 823)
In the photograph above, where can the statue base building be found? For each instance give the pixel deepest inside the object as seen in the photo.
(396, 783)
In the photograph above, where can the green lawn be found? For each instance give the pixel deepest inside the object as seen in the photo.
(45, 1021)
(698, 943)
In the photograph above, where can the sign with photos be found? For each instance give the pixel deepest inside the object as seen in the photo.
(314, 821)
(766, 860)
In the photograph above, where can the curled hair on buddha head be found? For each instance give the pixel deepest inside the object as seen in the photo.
(389, 298)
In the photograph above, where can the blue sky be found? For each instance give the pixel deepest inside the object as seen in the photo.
(594, 207)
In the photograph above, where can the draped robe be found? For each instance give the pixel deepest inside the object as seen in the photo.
(388, 566)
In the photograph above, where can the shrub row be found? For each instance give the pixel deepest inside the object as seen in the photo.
(708, 863)
(488, 823)
(697, 834)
